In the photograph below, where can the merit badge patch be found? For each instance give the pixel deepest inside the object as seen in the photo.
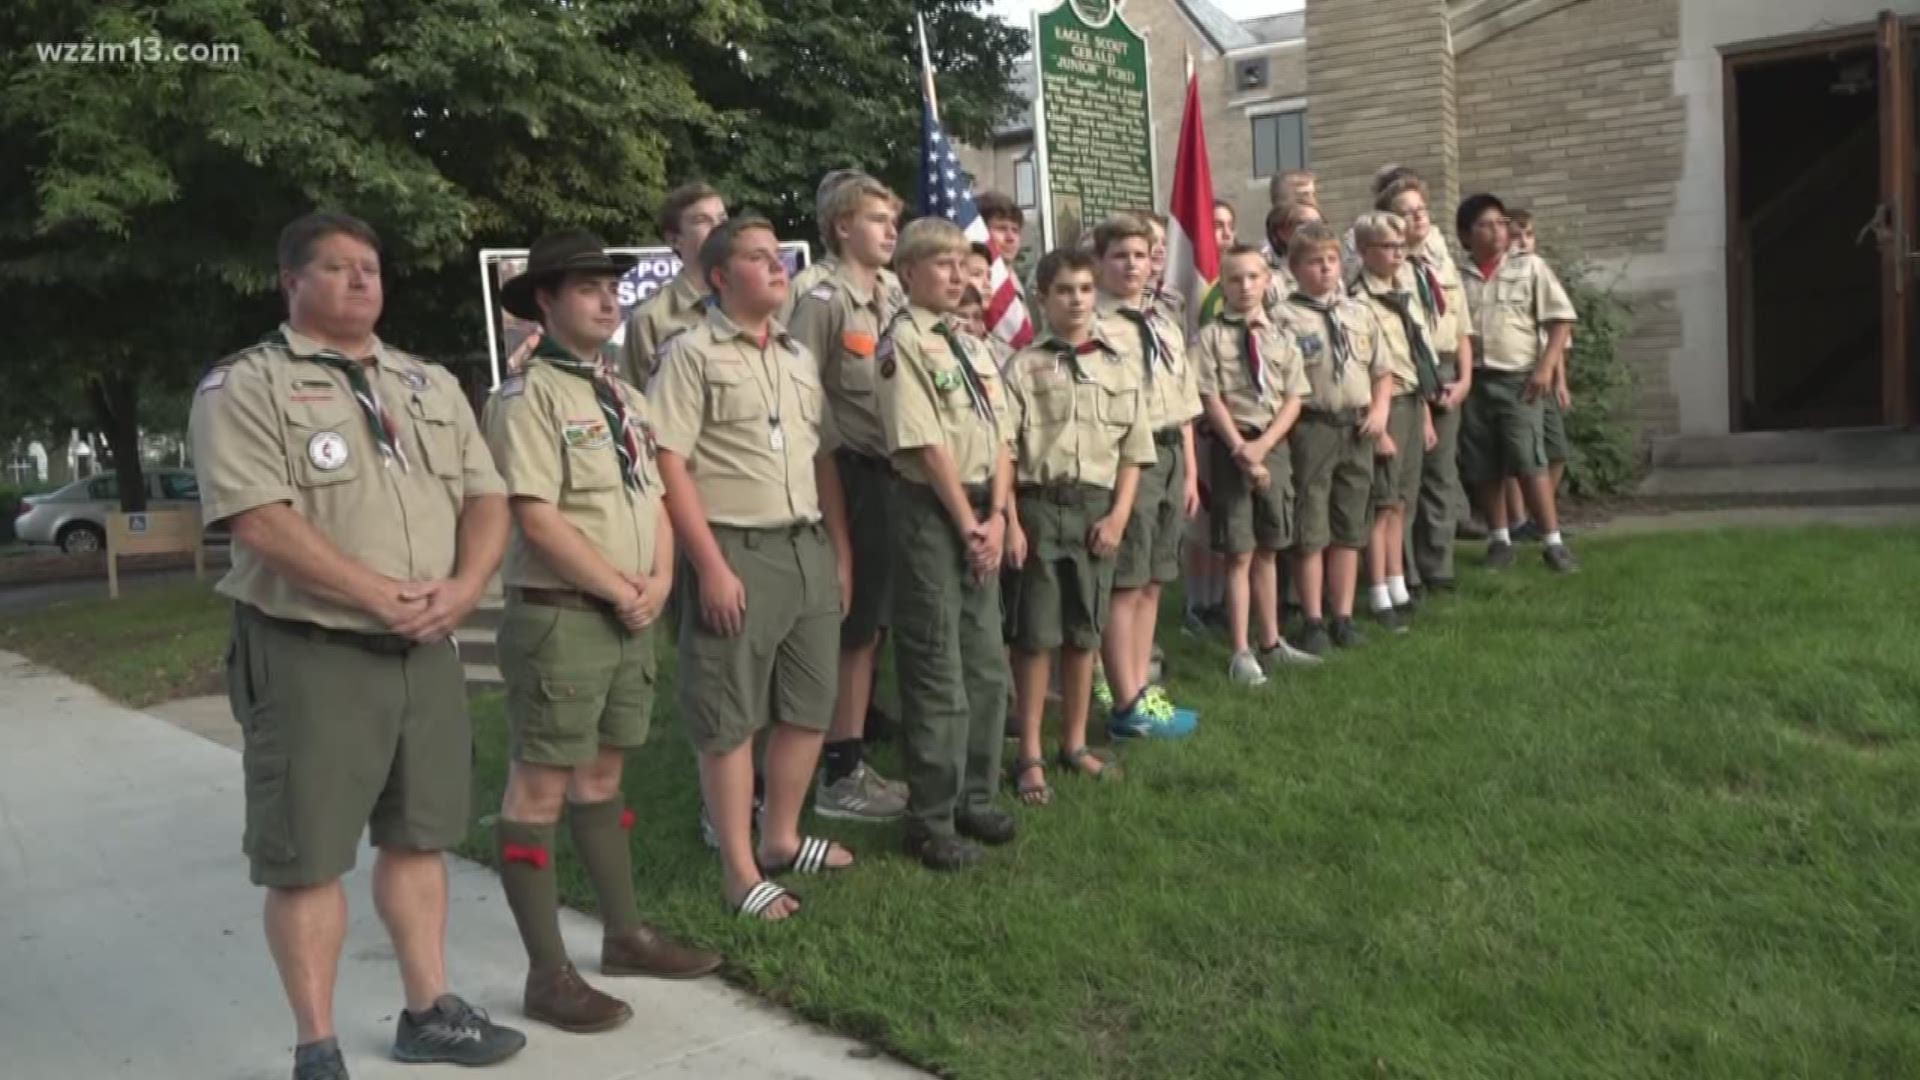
(1311, 345)
(414, 378)
(586, 434)
(946, 380)
(214, 380)
(327, 450)
(513, 387)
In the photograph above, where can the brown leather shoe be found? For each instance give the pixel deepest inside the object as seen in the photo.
(646, 951)
(562, 998)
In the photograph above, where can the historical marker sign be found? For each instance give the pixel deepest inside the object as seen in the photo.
(1094, 118)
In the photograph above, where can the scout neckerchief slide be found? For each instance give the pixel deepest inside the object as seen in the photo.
(1338, 343)
(1426, 372)
(612, 405)
(385, 435)
(976, 388)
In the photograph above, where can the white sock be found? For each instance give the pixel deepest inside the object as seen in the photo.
(1382, 597)
(1553, 537)
(1397, 588)
(1498, 536)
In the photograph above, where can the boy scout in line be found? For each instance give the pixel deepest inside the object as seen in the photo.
(588, 568)
(1286, 189)
(947, 424)
(839, 322)
(1149, 553)
(970, 318)
(1400, 452)
(1282, 222)
(745, 449)
(1252, 385)
(820, 270)
(1333, 443)
(1171, 306)
(1553, 414)
(367, 519)
(1523, 319)
(1433, 279)
(688, 214)
(1006, 225)
(1082, 440)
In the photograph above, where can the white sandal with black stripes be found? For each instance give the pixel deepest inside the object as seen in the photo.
(810, 859)
(754, 905)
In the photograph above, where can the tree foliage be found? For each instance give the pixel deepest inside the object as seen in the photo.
(138, 218)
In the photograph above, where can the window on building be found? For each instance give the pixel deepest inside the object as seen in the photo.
(1024, 188)
(1279, 142)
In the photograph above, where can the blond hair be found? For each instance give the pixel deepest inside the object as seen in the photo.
(1377, 226)
(926, 238)
(844, 200)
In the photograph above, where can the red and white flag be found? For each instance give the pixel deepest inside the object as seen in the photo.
(1193, 258)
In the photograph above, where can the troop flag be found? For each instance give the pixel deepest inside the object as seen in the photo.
(1193, 257)
(945, 192)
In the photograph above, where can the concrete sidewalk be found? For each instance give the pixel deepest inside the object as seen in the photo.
(130, 939)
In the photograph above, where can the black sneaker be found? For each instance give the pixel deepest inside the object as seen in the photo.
(1313, 638)
(1527, 533)
(319, 1063)
(1560, 559)
(990, 826)
(943, 851)
(1390, 620)
(1500, 555)
(1346, 635)
(455, 1033)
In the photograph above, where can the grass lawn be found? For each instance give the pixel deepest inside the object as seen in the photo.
(149, 646)
(1657, 820)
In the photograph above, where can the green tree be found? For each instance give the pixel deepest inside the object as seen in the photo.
(139, 212)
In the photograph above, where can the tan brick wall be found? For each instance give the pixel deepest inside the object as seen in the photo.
(1574, 116)
(1380, 76)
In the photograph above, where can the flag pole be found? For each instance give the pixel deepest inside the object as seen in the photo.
(926, 65)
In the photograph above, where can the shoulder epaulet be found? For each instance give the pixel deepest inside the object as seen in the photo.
(660, 350)
(216, 374)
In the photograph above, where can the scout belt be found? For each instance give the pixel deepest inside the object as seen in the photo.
(1335, 417)
(1167, 437)
(1065, 493)
(979, 496)
(377, 644)
(570, 599)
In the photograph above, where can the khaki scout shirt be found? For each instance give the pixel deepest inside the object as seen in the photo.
(272, 424)
(1354, 388)
(841, 324)
(1220, 357)
(1511, 311)
(1443, 331)
(749, 420)
(554, 443)
(1077, 423)
(1394, 344)
(814, 273)
(673, 310)
(1173, 394)
(924, 399)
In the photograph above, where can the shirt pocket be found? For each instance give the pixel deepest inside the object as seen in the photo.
(731, 396)
(806, 387)
(1120, 408)
(438, 430)
(1053, 403)
(855, 374)
(322, 447)
(592, 468)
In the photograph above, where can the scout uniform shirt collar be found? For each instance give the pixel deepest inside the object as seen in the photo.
(725, 329)
(549, 349)
(685, 292)
(862, 295)
(306, 348)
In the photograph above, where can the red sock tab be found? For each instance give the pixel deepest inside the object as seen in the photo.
(626, 820)
(531, 854)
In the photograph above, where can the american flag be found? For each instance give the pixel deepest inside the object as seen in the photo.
(944, 191)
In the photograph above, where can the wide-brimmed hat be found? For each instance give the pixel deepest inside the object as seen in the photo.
(575, 251)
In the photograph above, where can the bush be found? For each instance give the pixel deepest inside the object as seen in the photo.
(1602, 458)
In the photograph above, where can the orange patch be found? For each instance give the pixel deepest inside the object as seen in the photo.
(859, 344)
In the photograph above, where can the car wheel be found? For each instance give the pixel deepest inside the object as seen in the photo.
(82, 539)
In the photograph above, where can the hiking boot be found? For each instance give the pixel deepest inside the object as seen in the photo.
(642, 950)
(1559, 559)
(1527, 533)
(317, 1062)
(1390, 620)
(1244, 670)
(943, 851)
(1283, 653)
(562, 998)
(1500, 555)
(861, 795)
(1314, 640)
(455, 1033)
(989, 826)
(1346, 635)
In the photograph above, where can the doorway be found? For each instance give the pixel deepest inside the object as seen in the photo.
(1820, 195)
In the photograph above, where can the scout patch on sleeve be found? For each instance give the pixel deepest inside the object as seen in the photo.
(821, 292)
(414, 378)
(887, 366)
(213, 380)
(857, 343)
(586, 434)
(513, 387)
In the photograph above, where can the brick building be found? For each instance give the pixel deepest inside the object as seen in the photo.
(1702, 154)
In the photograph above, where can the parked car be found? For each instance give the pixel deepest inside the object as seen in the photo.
(75, 517)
